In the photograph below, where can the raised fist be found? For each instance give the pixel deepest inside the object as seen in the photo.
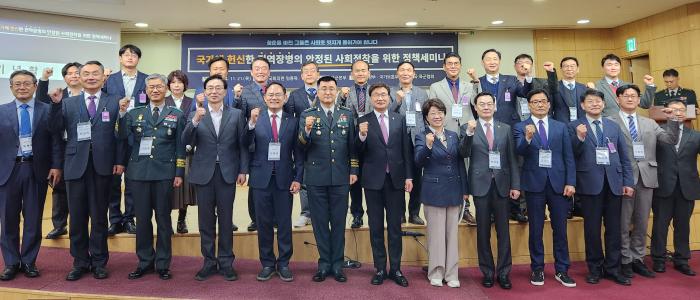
(549, 66)
(46, 74)
(529, 131)
(363, 128)
(581, 131)
(471, 126)
(56, 95)
(345, 91)
(309, 122)
(429, 140)
(200, 99)
(648, 80)
(254, 114)
(124, 104)
(237, 89)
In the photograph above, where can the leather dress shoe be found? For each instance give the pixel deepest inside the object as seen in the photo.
(619, 279)
(252, 226)
(30, 270)
(640, 268)
(9, 273)
(205, 272)
(99, 273)
(685, 270)
(416, 220)
(182, 227)
(56, 232)
(229, 274)
(487, 281)
(659, 266)
(626, 270)
(356, 222)
(403, 219)
(504, 282)
(164, 274)
(130, 227)
(139, 272)
(320, 275)
(76, 273)
(115, 229)
(339, 276)
(593, 278)
(519, 216)
(378, 277)
(398, 278)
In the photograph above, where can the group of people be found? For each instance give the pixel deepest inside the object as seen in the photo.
(515, 144)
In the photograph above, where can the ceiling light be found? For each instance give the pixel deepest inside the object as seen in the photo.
(411, 23)
(141, 25)
(234, 25)
(583, 21)
(497, 22)
(215, 1)
(324, 24)
(325, 1)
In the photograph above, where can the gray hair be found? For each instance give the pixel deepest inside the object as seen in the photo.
(156, 76)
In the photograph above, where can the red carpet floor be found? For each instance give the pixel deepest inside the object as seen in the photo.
(54, 263)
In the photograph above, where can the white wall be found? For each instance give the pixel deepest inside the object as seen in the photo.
(510, 43)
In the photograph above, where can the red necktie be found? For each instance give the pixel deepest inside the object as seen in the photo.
(455, 93)
(274, 128)
(489, 135)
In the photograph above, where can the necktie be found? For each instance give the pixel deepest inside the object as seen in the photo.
(599, 133)
(312, 93)
(156, 115)
(494, 89)
(573, 94)
(633, 129)
(409, 105)
(275, 134)
(92, 108)
(455, 92)
(263, 88)
(570, 86)
(329, 114)
(361, 99)
(385, 134)
(680, 135)
(25, 124)
(543, 134)
(489, 135)
(614, 86)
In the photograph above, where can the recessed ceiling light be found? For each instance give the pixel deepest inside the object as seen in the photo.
(215, 1)
(583, 21)
(497, 22)
(324, 24)
(141, 25)
(411, 23)
(325, 1)
(234, 24)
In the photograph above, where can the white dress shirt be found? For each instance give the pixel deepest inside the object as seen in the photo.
(129, 83)
(545, 120)
(379, 120)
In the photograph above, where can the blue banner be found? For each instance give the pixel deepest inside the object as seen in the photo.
(334, 53)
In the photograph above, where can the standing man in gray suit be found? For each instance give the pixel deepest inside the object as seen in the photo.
(494, 178)
(457, 95)
(407, 101)
(641, 137)
(611, 80)
(218, 133)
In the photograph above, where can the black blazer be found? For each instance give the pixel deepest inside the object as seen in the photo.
(679, 165)
(376, 153)
(298, 102)
(560, 105)
(42, 92)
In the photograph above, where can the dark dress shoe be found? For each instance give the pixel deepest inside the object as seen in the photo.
(265, 274)
(30, 270)
(520, 217)
(619, 279)
(115, 229)
(416, 220)
(640, 268)
(468, 217)
(378, 277)
(56, 232)
(339, 276)
(285, 274)
(182, 227)
(659, 266)
(130, 227)
(164, 274)
(229, 274)
(252, 226)
(356, 222)
(76, 273)
(9, 273)
(504, 282)
(235, 227)
(398, 278)
(100, 273)
(139, 272)
(205, 272)
(593, 278)
(685, 270)
(487, 281)
(403, 219)
(320, 275)
(626, 270)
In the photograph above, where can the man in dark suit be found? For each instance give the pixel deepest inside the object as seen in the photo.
(495, 179)
(275, 173)
(674, 91)
(565, 93)
(548, 175)
(523, 69)
(605, 173)
(93, 156)
(679, 187)
(59, 200)
(29, 160)
(217, 66)
(388, 166)
(128, 83)
(327, 133)
(221, 160)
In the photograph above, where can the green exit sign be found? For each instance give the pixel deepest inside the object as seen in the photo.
(631, 44)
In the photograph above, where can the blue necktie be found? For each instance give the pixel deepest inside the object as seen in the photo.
(25, 124)
(312, 93)
(633, 129)
(599, 133)
(543, 134)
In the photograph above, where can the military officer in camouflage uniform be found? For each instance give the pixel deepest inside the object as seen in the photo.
(156, 165)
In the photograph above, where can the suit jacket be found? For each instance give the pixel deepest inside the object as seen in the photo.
(591, 175)
(115, 87)
(467, 92)
(444, 175)
(537, 83)
(42, 92)
(562, 98)
(187, 105)
(476, 148)
(230, 146)
(351, 102)
(107, 150)
(563, 170)
(650, 134)
(681, 164)
(290, 167)
(298, 102)
(251, 97)
(611, 106)
(507, 111)
(686, 95)
(376, 153)
(418, 95)
(47, 146)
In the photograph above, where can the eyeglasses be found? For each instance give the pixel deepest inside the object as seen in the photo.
(18, 84)
(276, 95)
(485, 104)
(629, 96)
(156, 87)
(438, 113)
(539, 102)
(382, 95)
(218, 88)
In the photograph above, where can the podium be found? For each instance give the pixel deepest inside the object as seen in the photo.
(656, 114)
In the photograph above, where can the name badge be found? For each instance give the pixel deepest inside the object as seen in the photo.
(418, 109)
(507, 96)
(105, 116)
(456, 111)
(638, 150)
(410, 119)
(273, 151)
(611, 147)
(524, 108)
(84, 131)
(602, 156)
(142, 98)
(146, 145)
(573, 113)
(494, 160)
(25, 144)
(465, 100)
(545, 158)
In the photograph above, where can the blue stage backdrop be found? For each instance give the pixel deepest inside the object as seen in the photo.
(333, 52)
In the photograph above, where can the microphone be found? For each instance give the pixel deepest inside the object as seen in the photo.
(412, 233)
(349, 263)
